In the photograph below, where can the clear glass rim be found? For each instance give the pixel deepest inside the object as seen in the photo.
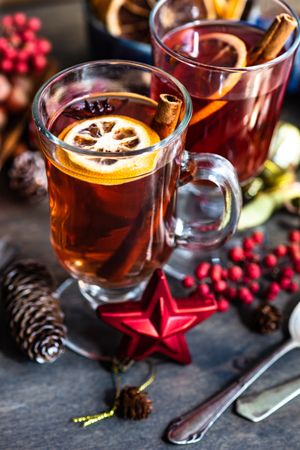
(116, 155)
(255, 68)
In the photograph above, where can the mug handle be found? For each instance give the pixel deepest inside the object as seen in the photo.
(219, 171)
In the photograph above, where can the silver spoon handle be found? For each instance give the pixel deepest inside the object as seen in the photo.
(192, 426)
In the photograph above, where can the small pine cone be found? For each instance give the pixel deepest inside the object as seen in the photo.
(267, 319)
(134, 404)
(34, 314)
(27, 176)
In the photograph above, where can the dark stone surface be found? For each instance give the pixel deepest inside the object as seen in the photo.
(37, 401)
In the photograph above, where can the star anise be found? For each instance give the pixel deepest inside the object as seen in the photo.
(88, 109)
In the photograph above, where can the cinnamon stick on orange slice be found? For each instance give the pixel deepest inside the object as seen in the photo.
(267, 49)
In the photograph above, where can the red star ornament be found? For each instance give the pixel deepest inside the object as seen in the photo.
(157, 322)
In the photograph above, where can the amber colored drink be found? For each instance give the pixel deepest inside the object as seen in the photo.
(241, 125)
(115, 230)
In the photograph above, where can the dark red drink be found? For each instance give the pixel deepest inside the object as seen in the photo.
(111, 219)
(235, 111)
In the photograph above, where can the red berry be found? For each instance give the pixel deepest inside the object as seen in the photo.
(287, 272)
(39, 62)
(284, 283)
(253, 271)
(274, 287)
(231, 292)
(252, 257)
(19, 19)
(236, 254)
(270, 260)
(10, 52)
(216, 272)
(202, 270)
(294, 250)
(3, 44)
(224, 274)
(22, 55)
(280, 250)
(245, 295)
(21, 67)
(293, 287)
(6, 65)
(254, 287)
(44, 46)
(188, 281)
(223, 304)
(296, 259)
(248, 244)
(7, 21)
(297, 266)
(34, 24)
(203, 290)
(235, 273)
(294, 236)
(258, 237)
(28, 35)
(219, 286)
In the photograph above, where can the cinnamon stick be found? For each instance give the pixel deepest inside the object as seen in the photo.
(267, 49)
(273, 41)
(120, 263)
(167, 115)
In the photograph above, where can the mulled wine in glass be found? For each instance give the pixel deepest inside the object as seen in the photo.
(113, 166)
(236, 97)
(237, 81)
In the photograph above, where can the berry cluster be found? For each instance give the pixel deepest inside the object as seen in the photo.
(250, 273)
(21, 50)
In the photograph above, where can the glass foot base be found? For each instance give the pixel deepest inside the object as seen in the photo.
(96, 295)
(87, 335)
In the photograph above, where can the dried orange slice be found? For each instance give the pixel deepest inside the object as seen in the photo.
(113, 134)
(129, 19)
(221, 50)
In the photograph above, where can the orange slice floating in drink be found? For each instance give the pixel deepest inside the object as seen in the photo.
(114, 135)
(220, 50)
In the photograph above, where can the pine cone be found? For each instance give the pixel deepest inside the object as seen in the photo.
(267, 319)
(134, 404)
(27, 176)
(34, 314)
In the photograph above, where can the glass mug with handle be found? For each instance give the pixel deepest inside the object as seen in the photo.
(237, 90)
(113, 182)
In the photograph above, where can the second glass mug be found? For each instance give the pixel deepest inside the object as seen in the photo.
(236, 107)
(111, 234)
